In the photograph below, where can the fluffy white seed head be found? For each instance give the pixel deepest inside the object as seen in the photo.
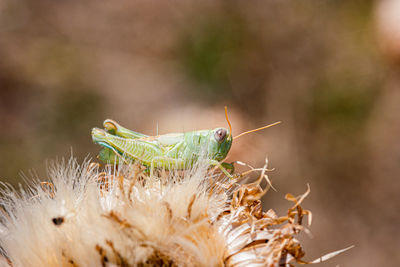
(84, 216)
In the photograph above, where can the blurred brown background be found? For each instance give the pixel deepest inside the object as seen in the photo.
(329, 69)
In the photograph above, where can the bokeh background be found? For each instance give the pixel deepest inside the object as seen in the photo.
(329, 69)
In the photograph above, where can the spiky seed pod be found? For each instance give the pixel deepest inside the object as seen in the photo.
(121, 217)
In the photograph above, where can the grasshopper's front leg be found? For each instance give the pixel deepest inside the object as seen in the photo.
(221, 166)
(228, 166)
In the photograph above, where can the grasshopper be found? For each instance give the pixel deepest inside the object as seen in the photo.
(176, 151)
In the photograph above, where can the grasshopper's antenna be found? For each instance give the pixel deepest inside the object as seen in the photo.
(258, 129)
(230, 126)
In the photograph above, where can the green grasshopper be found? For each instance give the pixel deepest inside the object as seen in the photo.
(174, 151)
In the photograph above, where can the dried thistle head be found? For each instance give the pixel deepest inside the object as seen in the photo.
(85, 216)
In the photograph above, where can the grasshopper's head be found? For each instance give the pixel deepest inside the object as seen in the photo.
(221, 139)
(220, 143)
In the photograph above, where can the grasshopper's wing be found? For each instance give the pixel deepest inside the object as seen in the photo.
(114, 128)
(172, 145)
(168, 140)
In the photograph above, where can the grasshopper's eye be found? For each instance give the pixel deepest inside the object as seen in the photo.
(220, 135)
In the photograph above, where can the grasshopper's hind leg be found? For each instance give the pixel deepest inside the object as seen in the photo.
(114, 128)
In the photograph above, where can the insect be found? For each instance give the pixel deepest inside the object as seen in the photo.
(177, 151)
